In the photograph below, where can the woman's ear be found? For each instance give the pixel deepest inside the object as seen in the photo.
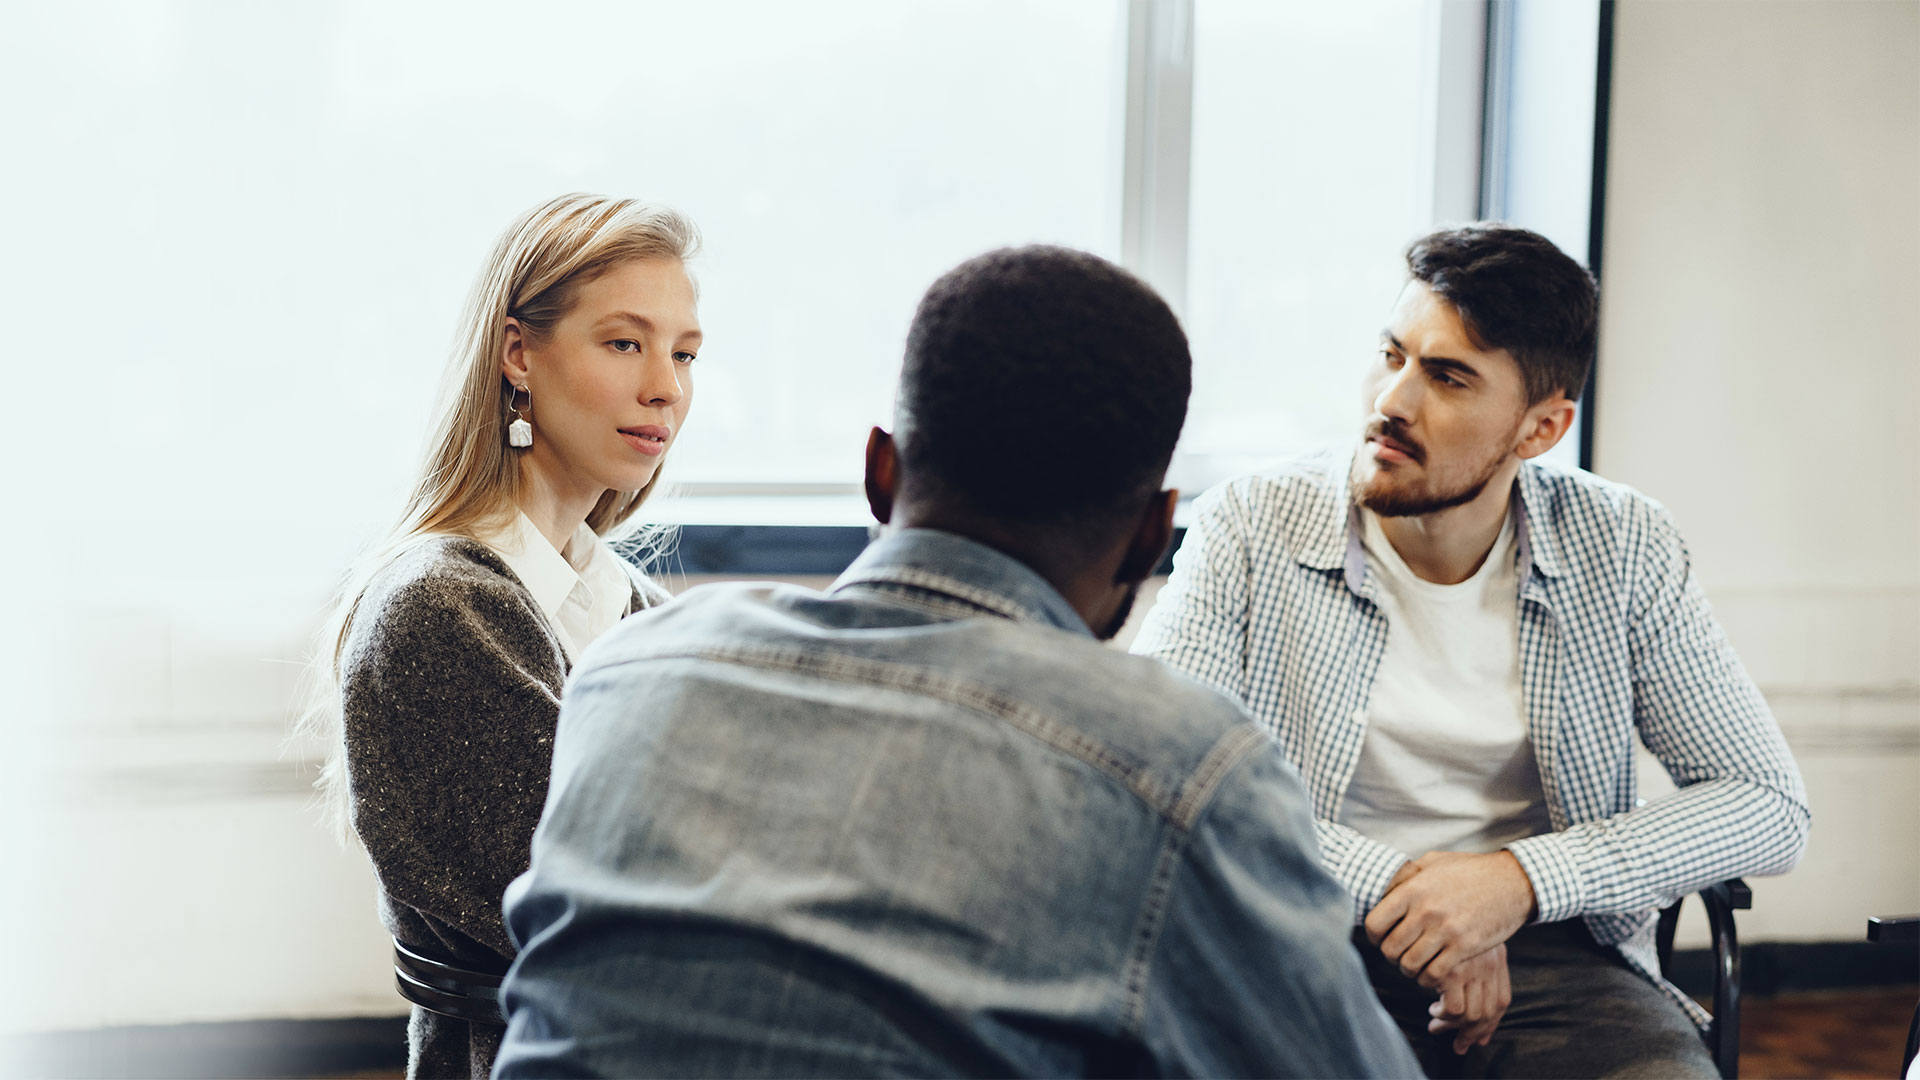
(513, 352)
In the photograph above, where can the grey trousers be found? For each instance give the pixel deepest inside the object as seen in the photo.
(1578, 1011)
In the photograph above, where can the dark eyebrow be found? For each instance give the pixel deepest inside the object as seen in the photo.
(1440, 363)
(1444, 364)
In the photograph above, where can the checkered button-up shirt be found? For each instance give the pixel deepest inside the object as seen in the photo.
(1270, 603)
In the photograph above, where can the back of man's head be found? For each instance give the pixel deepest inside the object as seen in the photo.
(1043, 388)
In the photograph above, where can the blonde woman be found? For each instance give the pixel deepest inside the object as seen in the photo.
(569, 387)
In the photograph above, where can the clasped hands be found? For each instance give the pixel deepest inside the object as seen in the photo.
(1445, 920)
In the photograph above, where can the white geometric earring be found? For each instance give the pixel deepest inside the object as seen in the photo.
(519, 433)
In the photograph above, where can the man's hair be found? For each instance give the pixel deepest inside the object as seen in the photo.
(1515, 291)
(1044, 387)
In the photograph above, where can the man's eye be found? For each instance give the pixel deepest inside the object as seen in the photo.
(1445, 379)
(626, 345)
(1390, 358)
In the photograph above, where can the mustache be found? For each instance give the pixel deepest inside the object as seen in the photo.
(1395, 433)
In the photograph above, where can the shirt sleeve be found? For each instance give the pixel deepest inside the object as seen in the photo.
(1198, 624)
(1254, 972)
(1362, 865)
(1741, 807)
(449, 732)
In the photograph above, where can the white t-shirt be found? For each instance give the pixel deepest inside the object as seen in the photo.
(1446, 764)
(583, 592)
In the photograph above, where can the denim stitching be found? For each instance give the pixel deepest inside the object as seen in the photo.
(921, 680)
(1219, 761)
(1152, 918)
(972, 594)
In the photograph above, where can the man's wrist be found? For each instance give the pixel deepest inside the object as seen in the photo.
(1552, 874)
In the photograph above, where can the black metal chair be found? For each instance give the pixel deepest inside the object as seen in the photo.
(445, 988)
(1902, 931)
(1721, 899)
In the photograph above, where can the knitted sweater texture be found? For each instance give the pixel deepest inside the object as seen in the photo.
(450, 679)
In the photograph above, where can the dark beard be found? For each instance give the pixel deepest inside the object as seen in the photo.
(1421, 503)
(1119, 620)
(1402, 504)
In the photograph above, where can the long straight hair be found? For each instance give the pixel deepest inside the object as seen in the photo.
(470, 481)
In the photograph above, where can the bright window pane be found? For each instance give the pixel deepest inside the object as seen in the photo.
(1307, 183)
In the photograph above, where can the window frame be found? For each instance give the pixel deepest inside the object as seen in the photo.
(1482, 164)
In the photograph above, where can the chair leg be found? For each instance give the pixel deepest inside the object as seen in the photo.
(1725, 1036)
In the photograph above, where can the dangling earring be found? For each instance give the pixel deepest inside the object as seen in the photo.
(519, 433)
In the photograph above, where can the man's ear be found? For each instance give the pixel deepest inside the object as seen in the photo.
(513, 352)
(883, 463)
(1546, 424)
(1151, 535)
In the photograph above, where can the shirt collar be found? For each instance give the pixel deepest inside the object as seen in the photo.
(1333, 541)
(966, 570)
(548, 575)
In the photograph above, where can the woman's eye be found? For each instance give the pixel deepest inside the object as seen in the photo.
(627, 345)
(684, 357)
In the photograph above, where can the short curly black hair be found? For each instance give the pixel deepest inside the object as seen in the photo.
(1516, 291)
(1042, 386)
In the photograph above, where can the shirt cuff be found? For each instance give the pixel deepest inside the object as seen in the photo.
(1558, 885)
(1366, 871)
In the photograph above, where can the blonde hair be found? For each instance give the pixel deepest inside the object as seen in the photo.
(470, 481)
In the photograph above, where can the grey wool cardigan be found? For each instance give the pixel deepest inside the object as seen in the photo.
(450, 681)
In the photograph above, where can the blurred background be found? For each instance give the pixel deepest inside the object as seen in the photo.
(237, 238)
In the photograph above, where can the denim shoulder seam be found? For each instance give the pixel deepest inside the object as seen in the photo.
(921, 680)
(972, 594)
(1195, 795)
(1146, 936)
(1213, 768)
(918, 600)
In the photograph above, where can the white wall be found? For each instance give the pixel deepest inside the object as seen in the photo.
(1757, 375)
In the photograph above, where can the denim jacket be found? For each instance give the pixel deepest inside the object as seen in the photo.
(921, 824)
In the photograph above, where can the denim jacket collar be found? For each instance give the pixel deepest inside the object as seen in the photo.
(929, 560)
(1336, 545)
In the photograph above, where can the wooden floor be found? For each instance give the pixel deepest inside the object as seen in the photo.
(1834, 1034)
(1831, 1033)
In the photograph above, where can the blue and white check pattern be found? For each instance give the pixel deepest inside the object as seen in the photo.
(1270, 603)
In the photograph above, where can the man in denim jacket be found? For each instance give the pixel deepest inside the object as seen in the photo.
(924, 823)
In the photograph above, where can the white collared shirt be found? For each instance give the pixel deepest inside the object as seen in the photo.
(583, 591)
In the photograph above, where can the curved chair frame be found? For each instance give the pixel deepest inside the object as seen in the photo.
(447, 989)
(1721, 899)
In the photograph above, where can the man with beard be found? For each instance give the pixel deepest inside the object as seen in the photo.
(1457, 645)
(924, 823)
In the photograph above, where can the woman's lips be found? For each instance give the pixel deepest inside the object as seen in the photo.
(648, 439)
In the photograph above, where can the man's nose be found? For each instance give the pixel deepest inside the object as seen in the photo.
(1399, 397)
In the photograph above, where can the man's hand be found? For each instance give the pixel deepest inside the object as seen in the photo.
(1449, 908)
(1473, 999)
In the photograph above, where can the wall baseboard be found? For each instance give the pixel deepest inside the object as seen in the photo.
(1769, 967)
(237, 1048)
(286, 1048)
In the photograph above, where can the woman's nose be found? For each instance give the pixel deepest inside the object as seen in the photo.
(662, 386)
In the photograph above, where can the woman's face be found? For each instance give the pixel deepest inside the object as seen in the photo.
(611, 384)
